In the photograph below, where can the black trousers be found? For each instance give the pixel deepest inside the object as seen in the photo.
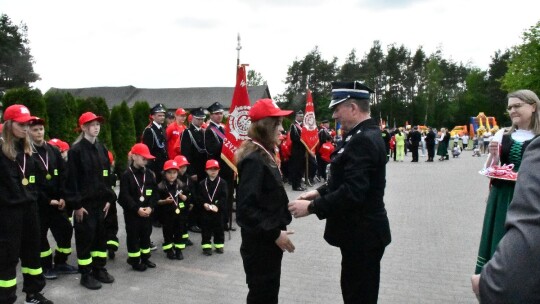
(58, 222)
(262, 265)
(360, 275)
(111, 227)
(212, 225)
(174, 228)
(138, 231)
(19, 239)
(297, 168)
(414, 150)
(431, 151)
(91, 240)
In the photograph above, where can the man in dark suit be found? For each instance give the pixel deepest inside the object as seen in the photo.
(193, 148)
(213, 141)
(513, 273)
(415, 138)
(297, 161)
(154, 138)
(352, 200)
(430, 144)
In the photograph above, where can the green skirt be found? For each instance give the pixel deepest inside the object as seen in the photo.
(493, 230)
(442, 149)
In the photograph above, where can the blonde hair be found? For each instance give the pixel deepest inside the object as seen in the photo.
(9, 145)
(531, 98)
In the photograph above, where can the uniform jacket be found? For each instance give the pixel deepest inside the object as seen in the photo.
(130, 192)
(165, 190)
(174, 130)
(11, 187)
(154, 138)
(213, 141)
(192, 147)
(206, 190)
(352, 201)
(513, 273)
(88, 176)
(298, 149)
(430, 138)
(53, 188)
(261, 198)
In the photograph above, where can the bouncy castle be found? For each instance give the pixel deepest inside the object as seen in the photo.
(481, 123)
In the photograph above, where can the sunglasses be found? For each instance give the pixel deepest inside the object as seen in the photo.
(515, 106)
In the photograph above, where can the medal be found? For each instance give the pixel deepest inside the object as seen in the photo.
(25, 181)
(177, 211)
(141, 188)
(23, 169)
(141, 199)
(45, 162)
(48, 176)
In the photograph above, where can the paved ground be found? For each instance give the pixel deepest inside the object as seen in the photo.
(435, 211)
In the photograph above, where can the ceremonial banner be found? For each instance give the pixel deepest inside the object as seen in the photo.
(310, 134)
(238, 121)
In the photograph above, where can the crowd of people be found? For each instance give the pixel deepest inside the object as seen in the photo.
(176, 179)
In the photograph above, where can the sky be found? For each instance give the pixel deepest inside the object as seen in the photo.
(177, 43)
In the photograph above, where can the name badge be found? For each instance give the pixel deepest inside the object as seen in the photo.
(55, 172)
(32, 179)
(148, 192)
(181, 205)
(105, 172)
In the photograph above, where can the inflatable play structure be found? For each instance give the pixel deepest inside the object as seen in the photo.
(480, 124)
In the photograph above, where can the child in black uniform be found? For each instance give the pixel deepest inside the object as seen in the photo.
(50, 181)
(184, 178)
(172, 209)
(213, 198)
(138, 198)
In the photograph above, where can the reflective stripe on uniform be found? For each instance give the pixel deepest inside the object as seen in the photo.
(167, 247)
(180, 246)
(64, 250)
(134, 254)
(46, 253)
(185, 236)
(113, 243)
(31, 271)
(145, 251)
(8, 283)
(206, 246)
(84, 262)
(219, 245)
(99, 254)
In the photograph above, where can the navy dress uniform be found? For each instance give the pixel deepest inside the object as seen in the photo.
(297, 161)
(154, 138)
(213, 141)
(352, 201)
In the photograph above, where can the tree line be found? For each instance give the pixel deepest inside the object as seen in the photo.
(419, 88)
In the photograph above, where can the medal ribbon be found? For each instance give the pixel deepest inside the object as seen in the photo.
(176, 194)
(23, 168)
(138, 185)
(213, 194)
(269, 154)
(44, 162)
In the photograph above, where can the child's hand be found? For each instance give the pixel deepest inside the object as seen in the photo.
(183, 197)
(169, 200)
(142, 212)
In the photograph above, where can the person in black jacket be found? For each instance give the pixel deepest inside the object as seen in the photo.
(50, 181)
(297, 161)
(19, 223)
(352, 200)
(173, 198)
(192, 147)
(262, 204)
(89, 194)
(415, 138)
(154, 139)
(213, 200)
(138, 196)
(430, 144)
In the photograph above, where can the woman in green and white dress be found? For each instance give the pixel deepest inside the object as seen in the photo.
(507, 147)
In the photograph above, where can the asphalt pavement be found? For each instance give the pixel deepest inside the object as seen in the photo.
(435, 211)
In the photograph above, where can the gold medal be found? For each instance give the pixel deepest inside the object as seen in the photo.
(141, 198)
(177, 211)
(25, 181)
(48, 176)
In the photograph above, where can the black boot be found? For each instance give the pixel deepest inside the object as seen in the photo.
(148, 263)
(171, 255)
(102, 275)
(179, 255)
(89, 281)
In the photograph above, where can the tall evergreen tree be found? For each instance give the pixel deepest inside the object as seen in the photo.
(495, 94)
(140, 112)
(123, 134)
(63, 115)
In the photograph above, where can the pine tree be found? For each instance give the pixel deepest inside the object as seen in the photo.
(122, 133)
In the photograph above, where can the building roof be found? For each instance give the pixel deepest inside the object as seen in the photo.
(172, 98)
